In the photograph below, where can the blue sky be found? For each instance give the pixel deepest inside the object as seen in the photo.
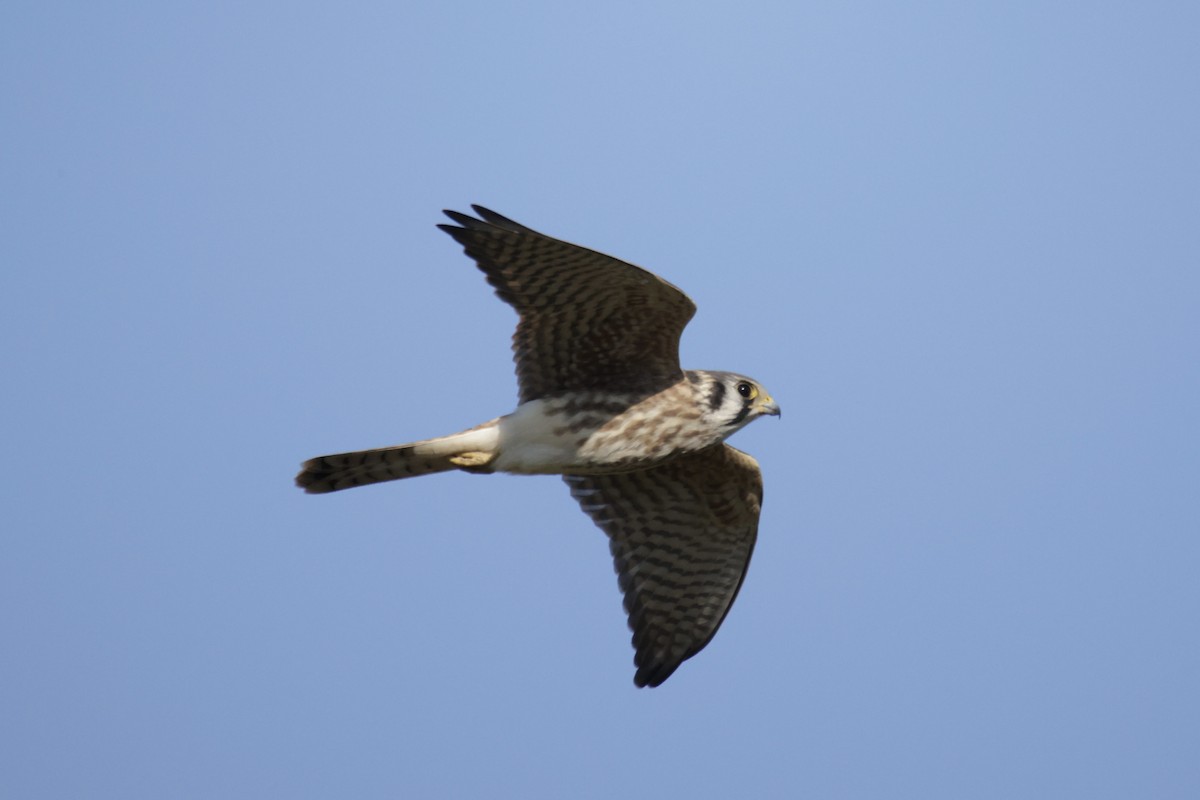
(957, 241)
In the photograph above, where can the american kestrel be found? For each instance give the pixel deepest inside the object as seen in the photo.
(605, 403)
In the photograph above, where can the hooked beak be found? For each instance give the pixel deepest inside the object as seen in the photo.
(768, 407)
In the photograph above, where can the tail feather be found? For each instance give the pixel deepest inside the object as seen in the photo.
(471, 450)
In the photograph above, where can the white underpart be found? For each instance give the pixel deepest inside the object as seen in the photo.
(480, 440)
(528, 444)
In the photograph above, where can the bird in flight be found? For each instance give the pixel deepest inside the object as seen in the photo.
(604, 403)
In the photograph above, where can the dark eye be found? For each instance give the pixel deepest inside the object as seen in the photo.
(745, 389)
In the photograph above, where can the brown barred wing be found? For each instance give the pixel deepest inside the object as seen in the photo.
(681, 536)
(587, 321)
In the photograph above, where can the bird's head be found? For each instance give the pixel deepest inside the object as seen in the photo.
(733, 401)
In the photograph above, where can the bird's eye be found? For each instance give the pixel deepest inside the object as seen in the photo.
(746, 390)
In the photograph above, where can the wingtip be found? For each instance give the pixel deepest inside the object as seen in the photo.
(486, 219)
(457, 216)
(649, 676)
(500, 221)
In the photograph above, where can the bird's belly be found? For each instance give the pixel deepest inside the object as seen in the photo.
(533, 442)
(540, 438)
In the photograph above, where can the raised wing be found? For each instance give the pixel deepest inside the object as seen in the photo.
(681, 536)
(587, 321)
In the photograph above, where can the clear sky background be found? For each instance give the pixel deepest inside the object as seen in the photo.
(959, 243)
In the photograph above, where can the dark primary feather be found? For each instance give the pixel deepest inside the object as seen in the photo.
(681, 536)
(587, 321)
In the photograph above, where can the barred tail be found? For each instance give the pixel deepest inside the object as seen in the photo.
(471, 450)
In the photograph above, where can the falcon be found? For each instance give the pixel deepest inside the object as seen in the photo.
(604, 403)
